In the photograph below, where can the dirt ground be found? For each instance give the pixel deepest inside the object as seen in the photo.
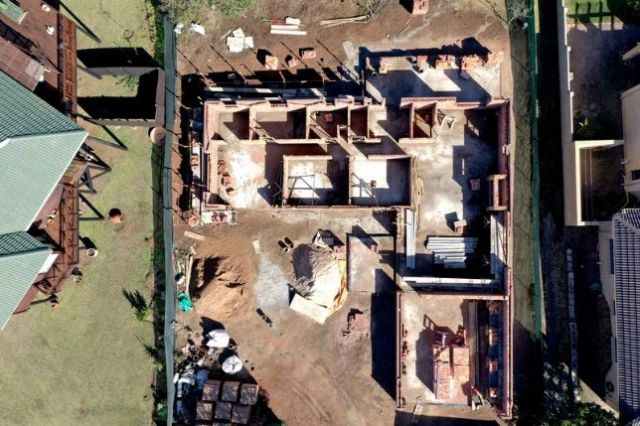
(339, 47)
(314, 374)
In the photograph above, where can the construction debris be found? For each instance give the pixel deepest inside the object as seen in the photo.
(194, 236)
(328, 23)
(286, 26)
(232, 365)
(308, 53)
(419, 7)
(291, 61)
(292, 21)
(237, 42)
(197, 28)
(220, 216)
(287, 30)
(271, 62)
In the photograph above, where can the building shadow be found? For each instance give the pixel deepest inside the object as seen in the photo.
(108, 57)
(593, 317)
(383, 337)
(409, 82)
(403, 419)
(596, 55)
(424, 358)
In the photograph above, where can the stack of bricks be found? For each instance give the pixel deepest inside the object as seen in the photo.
(226, 401)
(420, 7)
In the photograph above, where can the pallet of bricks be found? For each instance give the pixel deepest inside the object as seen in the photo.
(226, 401)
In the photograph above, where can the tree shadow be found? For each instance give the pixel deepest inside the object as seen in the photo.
(109, 57)
(135, 299)
(80, 24)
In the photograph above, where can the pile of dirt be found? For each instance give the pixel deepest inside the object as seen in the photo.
(317, 273)
(220, 292)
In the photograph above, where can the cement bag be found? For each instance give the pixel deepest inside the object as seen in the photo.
(218, 339)
(232, 365)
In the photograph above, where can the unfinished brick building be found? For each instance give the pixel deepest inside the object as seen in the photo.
(442, 165)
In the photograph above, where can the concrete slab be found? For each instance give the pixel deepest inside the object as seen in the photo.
(444, 169)
(313, 181)
(382, 182)
(246, 166)
(403, 81)
(419, 319)
(370, 264)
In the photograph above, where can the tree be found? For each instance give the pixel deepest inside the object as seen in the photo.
(587, 128)
(517, 10)
(627, 10)
(514, 10)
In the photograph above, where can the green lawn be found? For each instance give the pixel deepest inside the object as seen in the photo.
(588, 11)
(84, 363)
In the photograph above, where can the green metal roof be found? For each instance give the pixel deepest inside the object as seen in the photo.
(23, 113)
(37, 144)
(21, 258)
(11, 10)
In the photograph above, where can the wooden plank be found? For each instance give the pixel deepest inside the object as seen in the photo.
(194, 236)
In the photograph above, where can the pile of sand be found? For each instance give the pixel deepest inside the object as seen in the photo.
(221, 293)
(317, 273)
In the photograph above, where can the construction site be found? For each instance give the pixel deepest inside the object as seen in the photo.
(350, 235)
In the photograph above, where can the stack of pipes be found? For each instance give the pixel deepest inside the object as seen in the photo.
(451, 251)
(291, 26)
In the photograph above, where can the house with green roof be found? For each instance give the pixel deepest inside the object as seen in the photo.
(39, 176)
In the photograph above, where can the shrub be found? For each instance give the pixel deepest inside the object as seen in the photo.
(371, 8)
(185, 11)
(580, 414)
(142, 313)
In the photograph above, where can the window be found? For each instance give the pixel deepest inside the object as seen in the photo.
(635, 174)
(611, 270)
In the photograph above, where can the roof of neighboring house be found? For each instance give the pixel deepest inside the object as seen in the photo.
(37, 144)
(11, 10)
(21, 258)
(23, 113)
(20, 65)
(626, 260)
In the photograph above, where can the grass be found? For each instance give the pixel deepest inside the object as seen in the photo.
(86, 362)
(588, 11)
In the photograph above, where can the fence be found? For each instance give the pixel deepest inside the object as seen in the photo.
(167, 207)
(569, 165)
